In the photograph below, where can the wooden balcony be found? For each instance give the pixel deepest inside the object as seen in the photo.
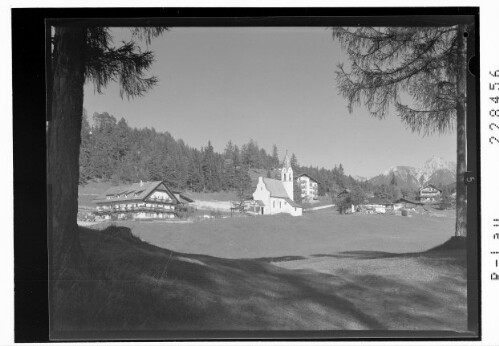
(137, 209)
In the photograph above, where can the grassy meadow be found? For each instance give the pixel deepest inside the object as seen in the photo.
(321, 232)
(322, 271)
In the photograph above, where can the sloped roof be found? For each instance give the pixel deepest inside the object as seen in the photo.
(430, 185)
(183, 195)
(131, 190)
(292, 203)
(306, 175)
(400, 200)
(344, 192)
(186, 198)
(275, 187)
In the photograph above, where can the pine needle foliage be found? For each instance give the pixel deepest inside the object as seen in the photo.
(390, 64)
(125, 64)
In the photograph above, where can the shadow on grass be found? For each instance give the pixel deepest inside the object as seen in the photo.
(452, 251)
(280, 259)
(138, 286)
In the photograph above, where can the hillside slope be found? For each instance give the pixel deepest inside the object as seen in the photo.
(138, 287)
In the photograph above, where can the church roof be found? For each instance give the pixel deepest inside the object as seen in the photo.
(275, 187)
(293, 203)
(136, 191)
(306, 175)
(260, 203)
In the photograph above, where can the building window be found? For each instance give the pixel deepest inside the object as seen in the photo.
(280, 206)
(273, 204)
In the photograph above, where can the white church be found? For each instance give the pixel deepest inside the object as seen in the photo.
(276, 196)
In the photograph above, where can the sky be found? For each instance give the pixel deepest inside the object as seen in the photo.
(272, 85)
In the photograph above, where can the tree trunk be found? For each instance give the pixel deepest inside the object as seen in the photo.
(63, 149)
(461, 209)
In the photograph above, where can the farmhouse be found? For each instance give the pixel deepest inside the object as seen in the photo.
(407, 203)
(309, 187)
(429, 194)
(144, 200)
(274, 196)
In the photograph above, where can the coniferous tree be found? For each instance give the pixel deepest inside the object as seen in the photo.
(145, 154)
(237, 157)
(104, 162)
(355, 197)
(297, 193)
(86, 172)
(426, 63)
(243, 184)
(78, 54)
(121, 136)
(294, 163)
(275, 157)
(229, 151)
(229, 175)
(263, 159)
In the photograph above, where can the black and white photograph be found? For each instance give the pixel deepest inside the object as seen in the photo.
(272, 177)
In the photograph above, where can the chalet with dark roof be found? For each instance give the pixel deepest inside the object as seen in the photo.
(429, 194)
(144, 200)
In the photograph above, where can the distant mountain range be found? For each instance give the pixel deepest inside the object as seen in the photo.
(436, 171)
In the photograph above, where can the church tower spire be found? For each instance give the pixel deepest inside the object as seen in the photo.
(287, 161)
(287, 176)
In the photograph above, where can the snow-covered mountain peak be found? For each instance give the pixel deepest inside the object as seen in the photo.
(436, 170)
(390, 170)
(400, 170)
(432, 165)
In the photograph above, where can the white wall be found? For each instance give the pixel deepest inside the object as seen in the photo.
(261, 193)
(273, 205)
(287, 180)
(281, 206)
(307, 188)
(161, 195)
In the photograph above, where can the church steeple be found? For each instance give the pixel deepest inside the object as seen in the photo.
(287, 176)
(287, 161)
